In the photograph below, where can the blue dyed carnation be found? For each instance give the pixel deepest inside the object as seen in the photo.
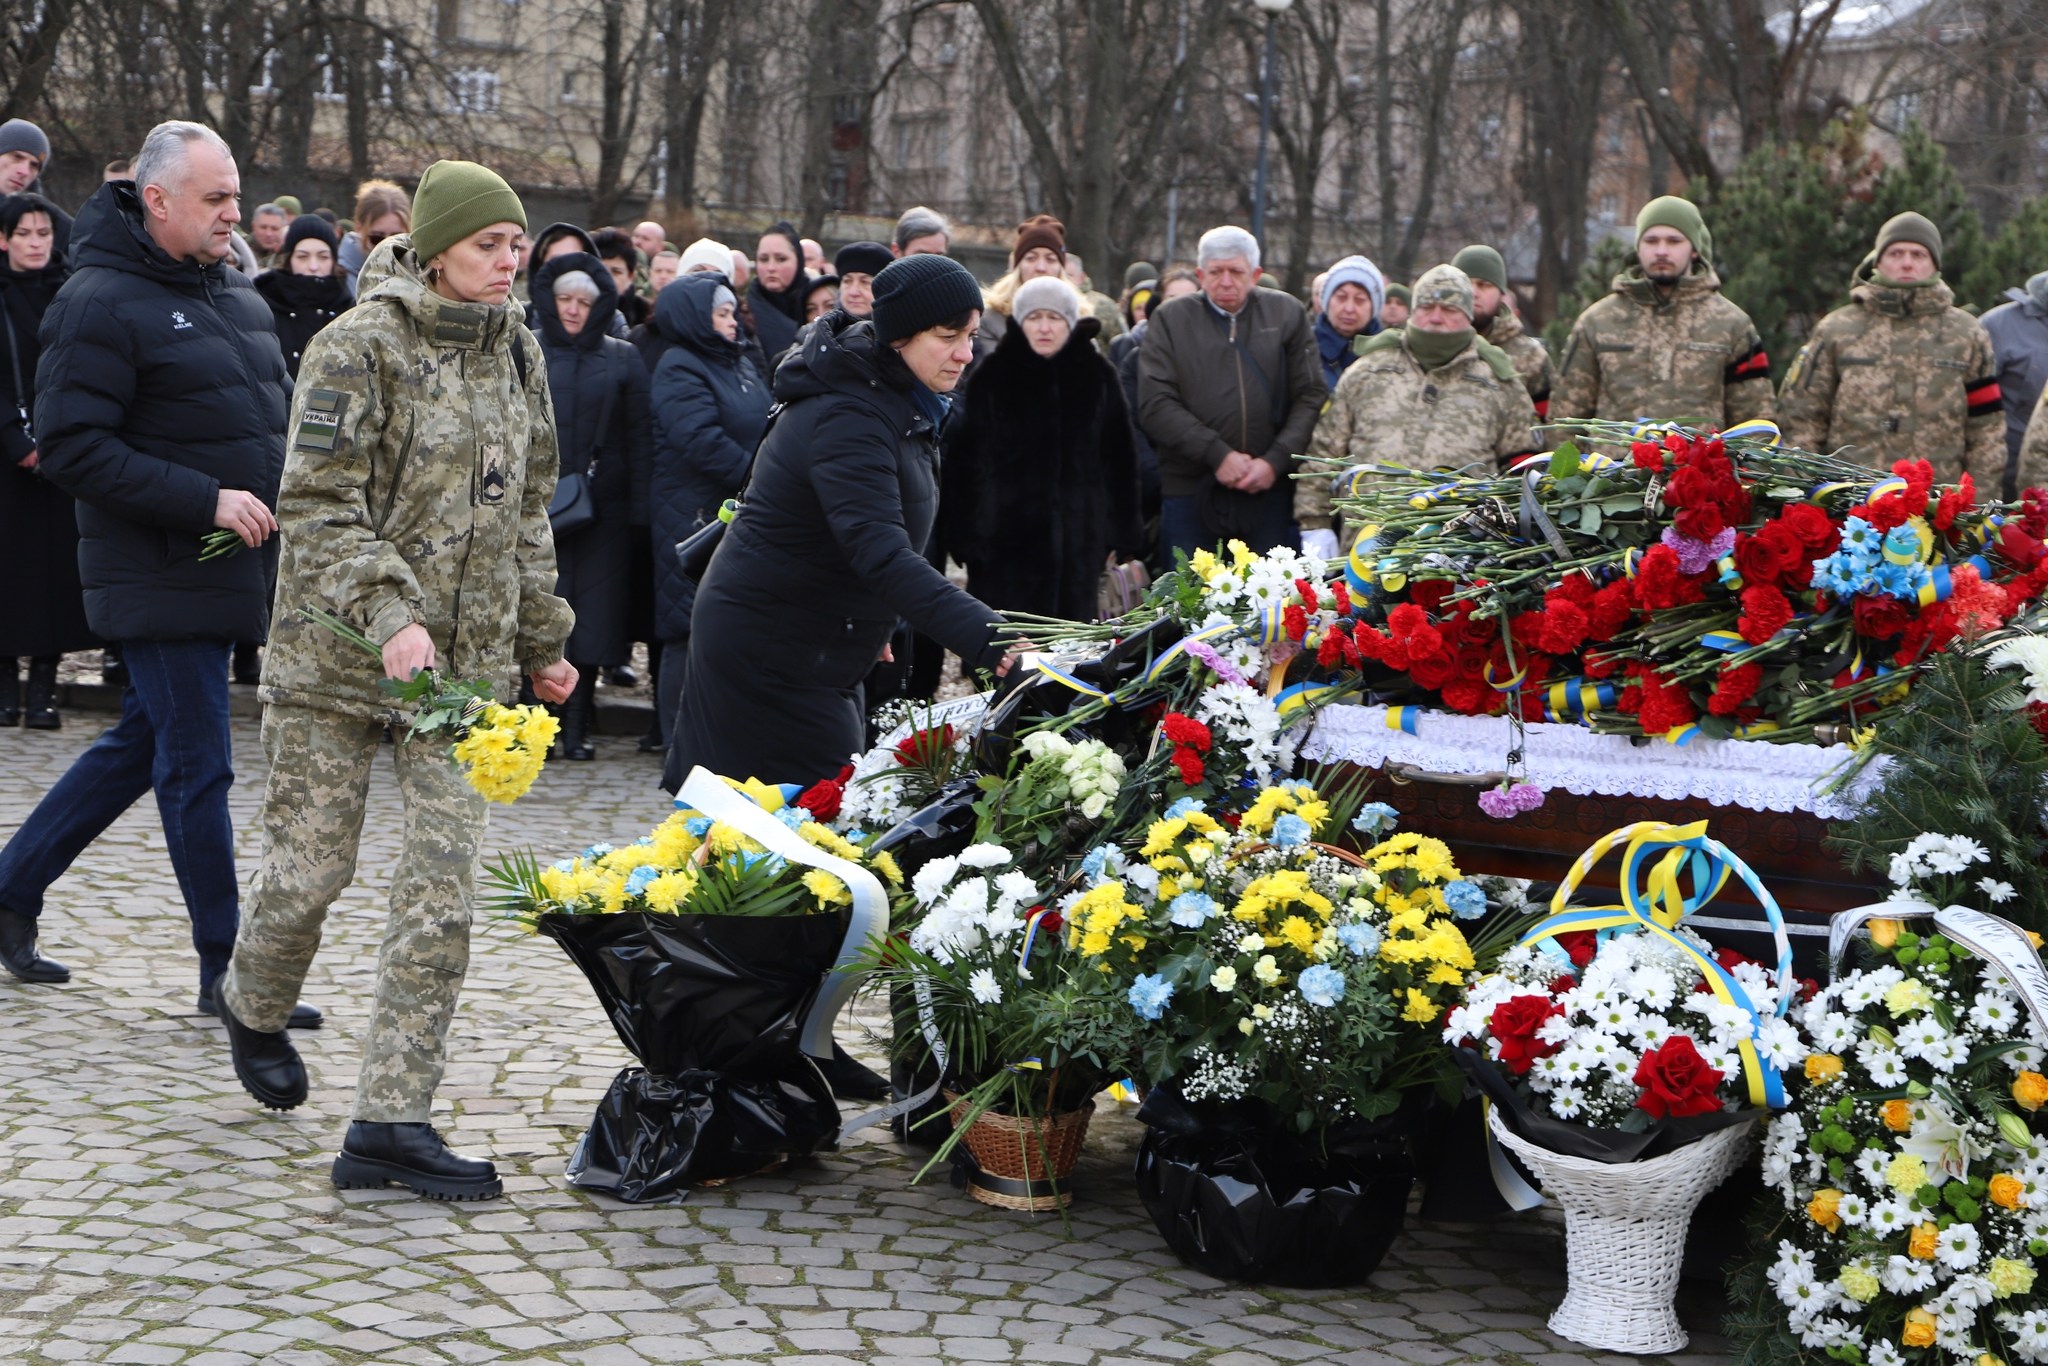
(597, 851)
(1375, 818)
(637, 880)
(1291, 831)
(792, 816)
(1149, 995)
(698, 826)
(1183, 806)
(1191, 910)
(1466, 900)
(1321, 985)
(1359, 937)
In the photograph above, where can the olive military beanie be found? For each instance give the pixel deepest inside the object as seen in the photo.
(455, 199)
(1402, 294)
(1911, 227)
(1483, 263)
(918, 292)
(1669, 211)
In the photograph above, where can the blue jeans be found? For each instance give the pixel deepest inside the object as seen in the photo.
(172, 736)
(1180, 523)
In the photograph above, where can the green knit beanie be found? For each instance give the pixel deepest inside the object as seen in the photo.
(1911, 227)
(1401, 293)
(1669, 211)
(1483, 263)
(289, 203)
(455, 199)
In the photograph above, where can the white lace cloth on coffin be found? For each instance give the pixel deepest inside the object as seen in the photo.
(1753, 775)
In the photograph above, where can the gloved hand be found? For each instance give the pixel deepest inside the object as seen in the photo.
(1320, 542)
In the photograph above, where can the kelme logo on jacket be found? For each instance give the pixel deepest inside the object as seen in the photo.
(179, 323)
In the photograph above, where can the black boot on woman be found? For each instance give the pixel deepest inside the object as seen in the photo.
(10, 693)
(40, 711)
(578, 716)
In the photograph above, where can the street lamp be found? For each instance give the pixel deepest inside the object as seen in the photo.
(1273, 10)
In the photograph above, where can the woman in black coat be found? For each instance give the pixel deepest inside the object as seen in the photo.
(776, 295)
(1041, 478)
(38, 523)
(710, 406)
(303, 292)
(599, 387)
(826, 553)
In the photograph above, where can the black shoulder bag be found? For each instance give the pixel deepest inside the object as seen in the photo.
(14, 364)
(574, 505)
(693, 552)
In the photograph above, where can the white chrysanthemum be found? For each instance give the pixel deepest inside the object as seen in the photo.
(931, 880)
(1780, 1043)
(1888, 1217)
(1995, 1013)
(985, 987)
(987, 855)
(1906, 1275)
(1016, 888)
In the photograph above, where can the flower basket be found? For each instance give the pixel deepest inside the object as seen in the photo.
(1021, 1162)
(1625, 1227)
(713, 1007)
(1237, 1196)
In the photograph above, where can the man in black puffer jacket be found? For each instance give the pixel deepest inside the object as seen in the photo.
(161, 399)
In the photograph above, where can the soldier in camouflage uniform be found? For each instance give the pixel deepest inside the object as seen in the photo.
(1496, 321)
(1900, 372)
(1425, 396)
(1665, 344)
(414, 507)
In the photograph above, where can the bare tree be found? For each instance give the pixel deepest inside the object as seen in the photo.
(1570, 41)
(28, 54)
(692, 41)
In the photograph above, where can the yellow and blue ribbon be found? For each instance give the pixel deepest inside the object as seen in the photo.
(1053, 671)
(1403, 719)
(1657, 859)
(1208, 635)
(1756, 429)
(1571, 698)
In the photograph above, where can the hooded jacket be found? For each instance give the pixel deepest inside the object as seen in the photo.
(710, 406)
(1898, 372)
(1526, 353)
(824, 557)
(1336, 350)
(416, 492)
(1689, 356)
(2018, 330)
(160, 384)
(1040, 477)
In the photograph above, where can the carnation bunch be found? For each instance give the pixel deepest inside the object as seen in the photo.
(899, 775)
(1911, 1168)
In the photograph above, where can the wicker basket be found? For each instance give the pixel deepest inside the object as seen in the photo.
(1625, 1227)
(1022, 1163)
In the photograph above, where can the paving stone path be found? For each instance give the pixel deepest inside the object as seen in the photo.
(151, 1213)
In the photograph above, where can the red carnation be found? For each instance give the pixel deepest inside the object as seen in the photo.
(1579, 946)
(1468, 697)
(1666, 706)
(1563, 627)
(1648, 455)
(1954, 503)
(1659, 584)
(1341, 594)
(1765, 612)
(1308, 593)
(1737, 685)
(1405, 619)
(1676, 1080)
(1979, 606)
(1514, 1023)
(1295, 620)
(1182, 729)
(1190, 765)
(1612, 607)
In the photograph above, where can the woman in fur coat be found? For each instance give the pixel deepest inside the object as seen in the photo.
(1040, 481)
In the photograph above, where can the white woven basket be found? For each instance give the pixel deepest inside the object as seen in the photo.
(1625, 1226)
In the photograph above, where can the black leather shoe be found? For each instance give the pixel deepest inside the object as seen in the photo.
(851, 1079)
(413, 1155)
(267, 1065)
(303, 1016)
(18, 950)
(622, 676)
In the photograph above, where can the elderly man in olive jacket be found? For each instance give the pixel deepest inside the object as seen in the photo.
(1229, 386)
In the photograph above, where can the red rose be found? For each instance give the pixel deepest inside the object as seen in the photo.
(1702, 523)
(1765, 612)
(925, 748)
(823, 797)
(1052, 922)
(1514, 1023)
(1759, 561)
(1429, 594)
(1434, 671)
(1676, 1080)
(2016, 545)
(1882, 617)
(2037, 717)
(1816, 531)
(1579, 946)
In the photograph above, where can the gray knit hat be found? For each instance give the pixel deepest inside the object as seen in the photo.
(19, 135)
(1046, 292)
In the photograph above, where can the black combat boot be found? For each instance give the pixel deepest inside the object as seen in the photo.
(413, 1155)
(579, 715)
(267, 1065)
(39, 712)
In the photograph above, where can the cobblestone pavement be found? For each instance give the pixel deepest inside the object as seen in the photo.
(151, 1213)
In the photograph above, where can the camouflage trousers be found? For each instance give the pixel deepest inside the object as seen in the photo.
(320, 764)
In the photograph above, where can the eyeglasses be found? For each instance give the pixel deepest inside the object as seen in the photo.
(374, 238)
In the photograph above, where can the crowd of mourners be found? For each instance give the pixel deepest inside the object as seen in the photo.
(479, 444)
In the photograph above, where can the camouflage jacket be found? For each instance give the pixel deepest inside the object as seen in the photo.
(1899, 373)
(1471, 411)
(416, 490)
(1692, 357)
(2033, 457)
(1528, 355)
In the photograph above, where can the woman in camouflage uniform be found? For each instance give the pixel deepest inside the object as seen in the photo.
(414, 507)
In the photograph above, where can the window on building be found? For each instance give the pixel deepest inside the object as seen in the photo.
(473, 91)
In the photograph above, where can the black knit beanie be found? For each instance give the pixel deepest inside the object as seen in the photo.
(868, 258)
(303, 227)
(918, 292)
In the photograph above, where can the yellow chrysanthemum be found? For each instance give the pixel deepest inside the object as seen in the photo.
(1241, 555)
(1433, 862)
(611, 893)
(1204, 565)
(1095, 943)
(830, 840)
(1299, 933)
(725, 841)
(829, 890)
(1161, 835)
(1420, 1009)
(670, 890)
(884, 863)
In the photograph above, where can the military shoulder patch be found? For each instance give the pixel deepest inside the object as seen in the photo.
(320, 420)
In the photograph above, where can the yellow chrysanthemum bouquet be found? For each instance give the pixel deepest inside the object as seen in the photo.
(501, 749)
(1261, 964)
